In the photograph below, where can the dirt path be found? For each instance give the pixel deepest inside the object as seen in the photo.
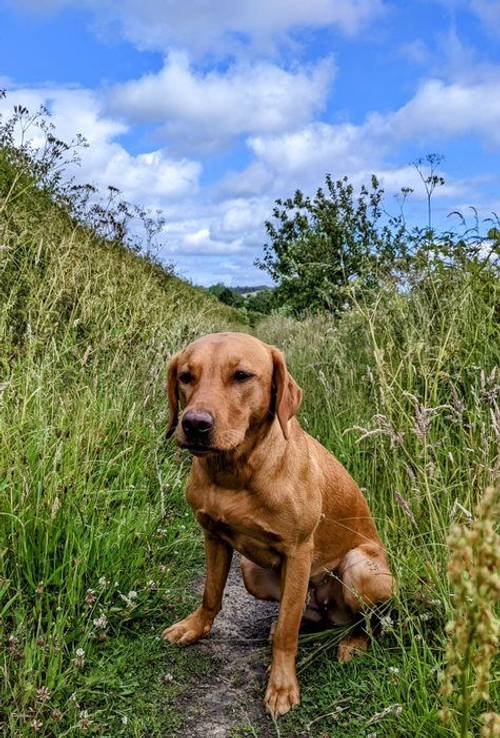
(231, 697)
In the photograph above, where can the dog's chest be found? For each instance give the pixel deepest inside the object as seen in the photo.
(237, 519)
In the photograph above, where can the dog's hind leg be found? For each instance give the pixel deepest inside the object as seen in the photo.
(366, 579)
(265, 584)
(366, 582)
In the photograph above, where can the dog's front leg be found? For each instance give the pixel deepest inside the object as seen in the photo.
(218, 555)
(283, 688)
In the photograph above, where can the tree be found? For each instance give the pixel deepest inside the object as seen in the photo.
(320, 249)
(261, 301)
(226, 295)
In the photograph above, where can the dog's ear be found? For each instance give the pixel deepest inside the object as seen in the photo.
(173, 394)
(287, 394)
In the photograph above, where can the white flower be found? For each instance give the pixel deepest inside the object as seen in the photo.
(101, 622)
(387, 624)
(129, 598)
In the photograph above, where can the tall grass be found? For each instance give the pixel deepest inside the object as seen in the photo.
(90, 498)
(406, 393)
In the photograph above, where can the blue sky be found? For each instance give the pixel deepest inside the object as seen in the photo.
(211, 110)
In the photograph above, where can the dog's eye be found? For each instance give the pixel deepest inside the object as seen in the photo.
(185, 378)
(241, 376)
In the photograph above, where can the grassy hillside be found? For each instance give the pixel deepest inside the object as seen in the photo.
(90, 498)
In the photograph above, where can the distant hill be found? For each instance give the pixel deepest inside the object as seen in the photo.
(244, 290)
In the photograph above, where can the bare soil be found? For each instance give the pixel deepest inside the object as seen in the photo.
(231, 697)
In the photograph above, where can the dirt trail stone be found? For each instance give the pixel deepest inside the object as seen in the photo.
(232, 696)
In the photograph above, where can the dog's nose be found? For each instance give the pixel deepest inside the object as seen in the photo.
(197, 422)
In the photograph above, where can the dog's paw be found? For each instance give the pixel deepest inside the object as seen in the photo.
(187, 631)
(350, 646)
(282, 695)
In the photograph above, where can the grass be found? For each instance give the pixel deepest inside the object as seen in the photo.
(91, 499)
(405, 392)
(97, 547)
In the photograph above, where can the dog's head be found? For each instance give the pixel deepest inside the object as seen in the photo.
(224, 387)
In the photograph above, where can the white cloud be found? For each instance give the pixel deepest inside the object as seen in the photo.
(253, 180)
(446, 110)
(343, 147)
(219, 26)
(150, 176)
(205, 109)
(240, 215)
(438, 111)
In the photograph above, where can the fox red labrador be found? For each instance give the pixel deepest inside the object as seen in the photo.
(261, 485)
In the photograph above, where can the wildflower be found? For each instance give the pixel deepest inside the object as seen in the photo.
(124, 720)
(37, 725)
(13, 648)
(167, 678)
(101, 623)
(84, 721)
(103, 582)
(40, 588)
(90, 597)
(79, 659)
(491, 725)
(43, 694)
(129, 598)
(393, 670)
(474, 630)
(387, 624)
(56, 715)
(425, 617)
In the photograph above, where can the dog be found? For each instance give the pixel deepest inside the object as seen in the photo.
(260, 485)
